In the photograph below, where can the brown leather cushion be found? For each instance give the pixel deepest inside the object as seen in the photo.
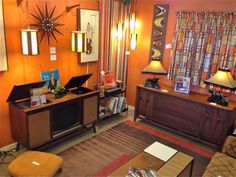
(221, 165)
(35, 163)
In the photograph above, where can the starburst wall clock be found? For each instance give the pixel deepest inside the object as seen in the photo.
(47, 24)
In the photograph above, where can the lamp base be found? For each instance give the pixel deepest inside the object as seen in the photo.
(152, 83)
(218, 98)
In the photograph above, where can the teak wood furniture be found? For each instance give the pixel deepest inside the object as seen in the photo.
(188, 114)
(32, 127)
(173, 167)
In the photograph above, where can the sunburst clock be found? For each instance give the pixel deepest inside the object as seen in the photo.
(47, 24)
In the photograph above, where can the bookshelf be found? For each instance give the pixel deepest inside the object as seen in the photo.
(112, 103)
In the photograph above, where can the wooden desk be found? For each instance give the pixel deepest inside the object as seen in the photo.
(189, 114)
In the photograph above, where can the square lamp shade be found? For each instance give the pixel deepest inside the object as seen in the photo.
(154, 67)
(78, 41)
(29, 42)
(222, 78)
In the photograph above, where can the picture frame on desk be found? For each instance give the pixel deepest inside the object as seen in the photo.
(182, 84)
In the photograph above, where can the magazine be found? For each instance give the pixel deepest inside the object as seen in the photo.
(138, 172)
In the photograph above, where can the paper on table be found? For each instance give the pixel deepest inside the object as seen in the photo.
(160, 151)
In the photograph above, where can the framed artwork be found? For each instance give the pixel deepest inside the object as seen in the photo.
(46, 76)
(3, 54)
(182, 84)
(89, 22)
(159, 23)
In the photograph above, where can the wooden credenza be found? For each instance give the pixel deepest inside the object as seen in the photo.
(37, 127)
(189, 114)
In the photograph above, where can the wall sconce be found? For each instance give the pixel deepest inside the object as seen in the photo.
(119, 31)
(29, 42)
(133, 41)
(132, 22)
(29, 39)
(78, 41)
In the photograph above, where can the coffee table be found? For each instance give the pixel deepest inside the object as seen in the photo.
(173, 167)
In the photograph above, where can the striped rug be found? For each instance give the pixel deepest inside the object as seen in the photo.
(105, 152)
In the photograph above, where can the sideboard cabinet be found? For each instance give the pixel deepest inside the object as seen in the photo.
(36, 127)
(189, 114)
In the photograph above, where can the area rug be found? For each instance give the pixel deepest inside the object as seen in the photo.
(107, 151)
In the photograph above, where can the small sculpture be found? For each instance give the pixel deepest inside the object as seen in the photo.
(218, 98)
(152, 83)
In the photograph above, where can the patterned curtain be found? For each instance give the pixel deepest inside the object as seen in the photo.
(203, 42)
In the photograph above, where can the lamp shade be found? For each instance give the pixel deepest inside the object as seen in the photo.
(132, 22)
(29, 42)
(154, 67)
(78, 41)
(133, 41)
(222, 78)
(119, 31)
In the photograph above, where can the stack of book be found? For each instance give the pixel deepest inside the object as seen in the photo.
(112, 105)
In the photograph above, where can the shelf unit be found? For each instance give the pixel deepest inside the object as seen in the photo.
(108, 95)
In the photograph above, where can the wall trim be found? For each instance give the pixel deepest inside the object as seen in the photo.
(131, 108)
(9, 147)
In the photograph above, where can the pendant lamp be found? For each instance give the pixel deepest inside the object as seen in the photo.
(79, 41)
(29, 38)
(29, 42)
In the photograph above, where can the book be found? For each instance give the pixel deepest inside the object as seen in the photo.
(116, 99)
(139, 172)
(121, 103)
(160, 151)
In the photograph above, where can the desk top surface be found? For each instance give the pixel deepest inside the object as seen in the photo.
(192, 96)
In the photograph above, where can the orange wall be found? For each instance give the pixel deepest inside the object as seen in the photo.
(139, 58)
(26, 68)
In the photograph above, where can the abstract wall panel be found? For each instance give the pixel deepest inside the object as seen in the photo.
(160, 16)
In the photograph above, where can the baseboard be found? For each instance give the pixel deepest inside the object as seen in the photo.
(131, 108)
(8, 147)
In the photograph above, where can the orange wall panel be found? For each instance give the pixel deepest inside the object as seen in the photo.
(27, 68)
(139, 58)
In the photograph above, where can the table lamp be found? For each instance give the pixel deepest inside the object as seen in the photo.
(154, 67)
(220, 81)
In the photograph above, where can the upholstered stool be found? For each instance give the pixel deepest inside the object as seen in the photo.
(35, 163)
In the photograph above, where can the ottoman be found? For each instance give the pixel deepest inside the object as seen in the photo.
(35, 163)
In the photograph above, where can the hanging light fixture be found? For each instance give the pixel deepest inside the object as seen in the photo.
(133, 41)
(132, 22)
(78, 38)
(29, 42)
(78, 41)
(29, 38)
(119, 31)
